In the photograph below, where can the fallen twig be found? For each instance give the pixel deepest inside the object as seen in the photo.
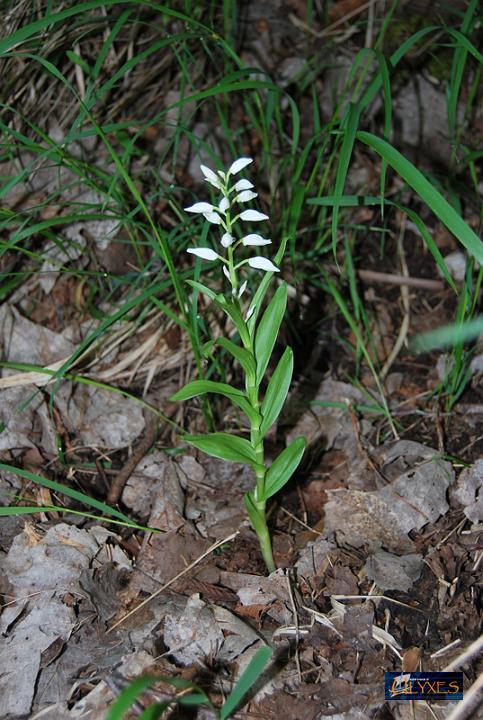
(119, 482)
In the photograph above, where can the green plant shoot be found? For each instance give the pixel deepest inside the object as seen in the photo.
(257, 335)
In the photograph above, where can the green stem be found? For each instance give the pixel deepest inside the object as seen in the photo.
(256, 439)
(266, 543)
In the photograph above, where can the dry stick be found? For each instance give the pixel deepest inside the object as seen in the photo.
(473, 698)
(327, 31)
(394, 279)
(403, 330)
(211, 549)
(296, 623)
(119, 482)
(471, 651)
(370, 24)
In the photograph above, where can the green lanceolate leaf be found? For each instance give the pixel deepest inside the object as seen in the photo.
(200, 387)
(277, 391)
(207, 348)
(257, 517)
(268, 328)
(283, 467)
(224, 446)
(202, 289)
(254, 669)
(233, 311)
(244, 357)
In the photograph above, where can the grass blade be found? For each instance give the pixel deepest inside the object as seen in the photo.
(64, 490)
(432, 197)
(255, 668)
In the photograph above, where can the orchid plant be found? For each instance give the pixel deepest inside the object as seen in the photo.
(253, 351)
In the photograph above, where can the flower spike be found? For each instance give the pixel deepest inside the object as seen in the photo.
(225, 215)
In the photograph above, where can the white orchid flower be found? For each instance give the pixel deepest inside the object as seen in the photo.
(238, 165)
(211, 177)
(226, 240)
(242, 185)
(254, 239)
(213, 217)
(204, 253)
(253, 215)
(200, 207)
(245, 196)
(224, 205)
(261, 263)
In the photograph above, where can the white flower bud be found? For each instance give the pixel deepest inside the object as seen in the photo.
(242, 289)
(211, 176)
(261, 263)
(204, 253)
(226, 240)
(250, 313)
(254, 239)
(245, 196)
(213, 217)
(243, 185)
(238, 165)
(224, 205)
(226, 273)
(200, 207)
(253, 215)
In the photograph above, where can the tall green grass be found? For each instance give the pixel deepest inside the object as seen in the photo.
(305, 175)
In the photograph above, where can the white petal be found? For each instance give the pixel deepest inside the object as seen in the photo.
(253, 215)
(211, 176)
(243, 185)
(226, 240)
(226, 272)
(254, 239)
(213, 217)
(221, 174)
(242, 289)
(250, 313)
(245, 196)
(224, 205)
(261, 263)
(238, 165)
(200, 207)
(204, 253)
